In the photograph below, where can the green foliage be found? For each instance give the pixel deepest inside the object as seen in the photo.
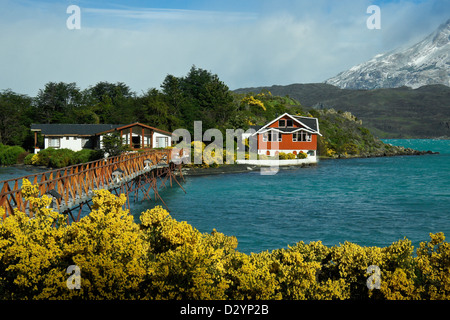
(59, 158)
(15, 121)
(199, 96)
(10, 154)
(302, 155)
(56, 101)
(260, 108)
(344, 135)
(55, 158)
(112, 144)
(86, 155)
(28, 159)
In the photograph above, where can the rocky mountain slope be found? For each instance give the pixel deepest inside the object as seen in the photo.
(425, 63)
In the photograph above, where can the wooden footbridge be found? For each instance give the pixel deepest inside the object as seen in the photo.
(73, 187)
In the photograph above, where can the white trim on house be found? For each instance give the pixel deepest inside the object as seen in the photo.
(290, 132)
(293, 118)
(159, 138)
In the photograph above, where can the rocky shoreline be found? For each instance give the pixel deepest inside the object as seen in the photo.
(388, 152)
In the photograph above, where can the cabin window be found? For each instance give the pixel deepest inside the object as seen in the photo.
(281, 123)
(308, 137)
(302, 136)
(272, 136)
(162, 142)
(289, 123)
(53, 142)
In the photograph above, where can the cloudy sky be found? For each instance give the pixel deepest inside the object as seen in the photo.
(245, 42)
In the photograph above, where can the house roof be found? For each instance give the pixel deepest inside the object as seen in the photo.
(126, 126)
(86, 129)
(313, 123)
(72, 129)
(309, 124)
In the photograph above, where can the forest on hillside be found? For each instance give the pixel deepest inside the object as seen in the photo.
(198, 96)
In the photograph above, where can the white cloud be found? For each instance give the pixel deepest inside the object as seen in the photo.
(166, 15)
(292, 42)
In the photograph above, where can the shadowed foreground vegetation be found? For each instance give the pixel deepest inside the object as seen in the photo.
(161, 258)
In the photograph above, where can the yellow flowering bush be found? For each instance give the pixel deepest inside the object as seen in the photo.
(161, 258)
(184, 263)
(30, 248)
(302, 155)
(108, 248)
(433, 262)
(252, 102)
(286, 156)
(35, 159)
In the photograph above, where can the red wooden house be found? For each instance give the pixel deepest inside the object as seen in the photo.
(289, 134)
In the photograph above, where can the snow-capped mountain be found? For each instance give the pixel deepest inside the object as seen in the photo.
(427, 62)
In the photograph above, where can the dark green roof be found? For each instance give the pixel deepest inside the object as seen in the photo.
(73, 129)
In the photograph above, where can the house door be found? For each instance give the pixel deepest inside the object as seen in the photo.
(136, 142)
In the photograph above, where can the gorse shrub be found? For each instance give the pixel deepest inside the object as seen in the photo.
(161, 258)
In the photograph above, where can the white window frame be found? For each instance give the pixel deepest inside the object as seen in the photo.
(264, 136)
(308, 137)
(166, 142)
(303, 135)
(272, 133)
(51, 143)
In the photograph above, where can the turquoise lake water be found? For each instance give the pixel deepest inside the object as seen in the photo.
(371, 202)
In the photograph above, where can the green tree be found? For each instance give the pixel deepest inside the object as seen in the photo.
(199, 96)
(14, 118)
(111, 102)
(55, 104)
(112, 144)
(155, 111)
(173, 94)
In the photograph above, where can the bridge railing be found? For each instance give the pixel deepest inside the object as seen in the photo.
(71, 185)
